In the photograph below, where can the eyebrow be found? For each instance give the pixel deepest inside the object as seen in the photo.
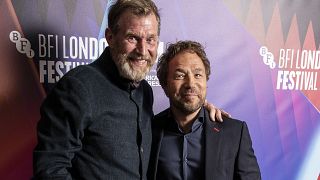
(152, 36)
(130, 33)
(198, 70)
(180, 70)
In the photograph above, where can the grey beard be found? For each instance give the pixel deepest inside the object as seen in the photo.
(126, 71)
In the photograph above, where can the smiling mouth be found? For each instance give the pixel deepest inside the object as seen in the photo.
(138, 62)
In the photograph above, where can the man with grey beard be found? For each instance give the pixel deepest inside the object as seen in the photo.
(96, 122)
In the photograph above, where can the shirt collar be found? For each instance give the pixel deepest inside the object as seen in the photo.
(174, 126)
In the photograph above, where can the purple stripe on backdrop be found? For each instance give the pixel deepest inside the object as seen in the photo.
(61, 17)
(303, 122)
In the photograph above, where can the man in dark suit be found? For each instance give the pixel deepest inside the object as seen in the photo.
(96, 121)
(186, 144)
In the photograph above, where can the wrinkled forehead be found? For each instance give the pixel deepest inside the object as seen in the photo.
(129, 20)
(187, 59)
(129, 16)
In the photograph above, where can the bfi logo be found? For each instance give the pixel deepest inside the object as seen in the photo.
(23, 45)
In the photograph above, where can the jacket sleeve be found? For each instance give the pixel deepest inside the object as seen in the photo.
(247, 167)
(64, 114)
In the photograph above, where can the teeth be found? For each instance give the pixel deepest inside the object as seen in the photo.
(139, 62)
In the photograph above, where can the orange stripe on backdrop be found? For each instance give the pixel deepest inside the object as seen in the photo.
(310, 44)
(20, 97)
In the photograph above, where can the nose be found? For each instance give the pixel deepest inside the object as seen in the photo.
(190, 80)
(142, 47)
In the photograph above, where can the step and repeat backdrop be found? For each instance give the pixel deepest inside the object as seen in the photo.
(264, 55)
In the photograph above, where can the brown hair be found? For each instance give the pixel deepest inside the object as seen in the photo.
(136, 7)
(176, 48)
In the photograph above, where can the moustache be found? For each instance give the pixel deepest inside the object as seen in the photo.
(189, 91)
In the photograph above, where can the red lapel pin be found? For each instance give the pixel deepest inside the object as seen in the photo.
(216, 129)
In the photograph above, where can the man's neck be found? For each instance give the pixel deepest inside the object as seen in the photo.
(184, 120)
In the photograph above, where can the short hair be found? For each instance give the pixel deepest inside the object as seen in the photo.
(173, 50)
(136, 7)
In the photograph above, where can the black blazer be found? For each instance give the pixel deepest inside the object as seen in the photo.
(228, 149)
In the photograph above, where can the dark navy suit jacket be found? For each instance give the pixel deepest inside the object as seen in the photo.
(228, 149)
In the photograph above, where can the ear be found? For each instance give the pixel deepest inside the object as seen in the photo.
(109, 36)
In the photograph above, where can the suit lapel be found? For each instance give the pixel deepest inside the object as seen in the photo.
(158, 132)
(158, 146)
(213, 132)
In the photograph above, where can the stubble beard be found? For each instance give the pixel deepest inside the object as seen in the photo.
(187, 107)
